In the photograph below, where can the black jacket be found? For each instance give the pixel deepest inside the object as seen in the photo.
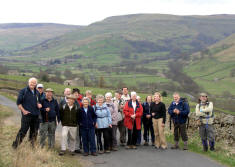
(159, 110)
(29, 100)
(146, 111)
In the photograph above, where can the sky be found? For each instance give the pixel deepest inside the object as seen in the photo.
(85, 12)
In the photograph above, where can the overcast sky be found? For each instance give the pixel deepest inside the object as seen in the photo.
(84, 12)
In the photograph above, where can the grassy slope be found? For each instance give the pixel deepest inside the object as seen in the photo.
(19, 36)
(213, 72)
(102, 43)
(19, 82)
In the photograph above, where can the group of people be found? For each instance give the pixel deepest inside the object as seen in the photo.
(93, 124)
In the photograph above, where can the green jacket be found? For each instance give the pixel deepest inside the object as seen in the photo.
(69, 117)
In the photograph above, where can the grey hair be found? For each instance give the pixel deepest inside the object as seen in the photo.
(86, 98)
(176, 93)
(108, 94)
(99, 96)
(88, 92)
(133, 94)
(33, 78)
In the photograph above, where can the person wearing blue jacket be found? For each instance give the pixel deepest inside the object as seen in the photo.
(179, 110)
(104, 124)
(50, 119)
(29, 105)
(87, 122)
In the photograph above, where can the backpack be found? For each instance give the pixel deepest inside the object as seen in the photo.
(185, 101)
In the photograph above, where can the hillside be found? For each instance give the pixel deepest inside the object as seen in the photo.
(138, 50)
(214, 68)
(17, 36)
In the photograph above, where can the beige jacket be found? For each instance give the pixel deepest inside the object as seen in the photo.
(204, 112)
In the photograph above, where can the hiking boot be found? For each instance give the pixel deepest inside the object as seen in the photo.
(163, 148)
(106, 151)
(146, 143)
(94, 154)
(77, 151)
(122, 144)
(115, 149)
(176, 146)
(128, 147)
(212, 145)
(134, 147)
(61, 153)
(156, 147)
(185, 146)
(72, 153)
(85, 154)
(14, 145)
(101, 152)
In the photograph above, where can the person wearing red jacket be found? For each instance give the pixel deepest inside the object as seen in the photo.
(133, 111)
(89, 95)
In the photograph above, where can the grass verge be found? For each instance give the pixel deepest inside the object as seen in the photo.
(220, 155)
(25, 155)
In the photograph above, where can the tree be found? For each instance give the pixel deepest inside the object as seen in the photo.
(164, 93)
(43, 76)
(68, 74)
(101, 82)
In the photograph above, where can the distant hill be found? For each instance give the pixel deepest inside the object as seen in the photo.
(16, 36)
(214, 67)
(137, 50)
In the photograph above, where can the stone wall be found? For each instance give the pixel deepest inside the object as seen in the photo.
(224, 125)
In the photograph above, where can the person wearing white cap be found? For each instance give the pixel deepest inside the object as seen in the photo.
(41, 97)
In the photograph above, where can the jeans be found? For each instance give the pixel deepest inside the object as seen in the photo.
(88, 138)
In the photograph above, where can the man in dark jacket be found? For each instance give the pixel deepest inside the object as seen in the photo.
(179, 111)
(49, 112)
(29, 105)
(68, 117)
(87, 121)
